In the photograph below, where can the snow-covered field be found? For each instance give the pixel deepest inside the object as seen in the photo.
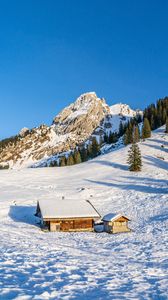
(38, 265)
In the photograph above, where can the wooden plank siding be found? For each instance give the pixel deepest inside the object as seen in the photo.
(83, 224)
(120, 225)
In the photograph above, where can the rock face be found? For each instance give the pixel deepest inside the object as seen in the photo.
(23, 132)
(87, 116)
(82, 117)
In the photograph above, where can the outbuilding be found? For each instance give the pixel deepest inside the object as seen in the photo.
(67, 215)
(115, 223)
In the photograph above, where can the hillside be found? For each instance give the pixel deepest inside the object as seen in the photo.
(75, 125)
(37, 265)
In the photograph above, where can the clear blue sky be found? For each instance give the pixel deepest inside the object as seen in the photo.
(51, 51)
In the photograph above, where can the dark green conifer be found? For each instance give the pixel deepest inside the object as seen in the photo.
(134, 158)
(164, 116)
(126, 137)
(53, 163)
(167, 124)
(113, 137)
(62, 162)
(77, 157)
(95, 147)
(83, 154)
(106, 138)
(146, 130)
(121, 129)
(136, 134)
(70, 160)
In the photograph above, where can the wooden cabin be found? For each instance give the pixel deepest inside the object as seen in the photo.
(115, 223)
(67, 215)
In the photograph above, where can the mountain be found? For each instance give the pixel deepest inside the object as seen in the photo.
(88, 116)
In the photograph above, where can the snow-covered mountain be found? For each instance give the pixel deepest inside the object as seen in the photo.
(88, 116)
(124, 110)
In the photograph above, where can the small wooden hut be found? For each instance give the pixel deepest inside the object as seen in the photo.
(67, 215)
(115, 223)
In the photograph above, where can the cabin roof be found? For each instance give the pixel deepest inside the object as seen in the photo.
(113, 217)
(58, 209)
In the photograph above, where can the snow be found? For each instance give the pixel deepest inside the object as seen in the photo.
(38, 265)
(112, 217)
(64, 208)
(55, 137)
(81, 105)
(123, 109)
(120, 113)
(23, 131)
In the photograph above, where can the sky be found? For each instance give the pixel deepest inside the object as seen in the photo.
(52, 51)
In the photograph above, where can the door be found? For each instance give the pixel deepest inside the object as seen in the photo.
(57, 227)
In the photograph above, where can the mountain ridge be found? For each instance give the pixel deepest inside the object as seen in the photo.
(77, 123)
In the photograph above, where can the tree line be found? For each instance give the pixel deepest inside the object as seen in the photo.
(155, 115)
(133, 133)
(80, 154)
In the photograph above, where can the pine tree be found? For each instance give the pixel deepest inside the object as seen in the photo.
(156, 114)
(164, 116)
(139, 118)
(126, 137)
(146, 130)
(152, 122)
(95, 148)
(131, 127)
(70, 160)
(166, 125)
(83, 154)
(121, 129)
(134, 158)
(125, 127)
(106, 138)
(101, 140)
(53, 163)
(113, 137)
(136, 134)
(77, 157)
(62, 161)
(89, 150)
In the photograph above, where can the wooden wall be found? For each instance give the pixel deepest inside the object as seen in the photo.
(117, 226)
(71, 225)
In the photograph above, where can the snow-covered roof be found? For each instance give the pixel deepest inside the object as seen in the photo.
(112, 217)
(62, 208)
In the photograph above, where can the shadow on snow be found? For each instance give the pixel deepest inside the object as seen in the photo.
(157, 147)
(23, 214)
(142, 186)
(110, 164)
(154, 161)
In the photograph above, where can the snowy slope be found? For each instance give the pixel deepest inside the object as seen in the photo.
(124, 110)
(118, 113)
(37, 265)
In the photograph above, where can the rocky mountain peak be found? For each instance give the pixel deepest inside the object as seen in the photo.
(88, 116)
(84, 115)
(24, 131)
(87, 99)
